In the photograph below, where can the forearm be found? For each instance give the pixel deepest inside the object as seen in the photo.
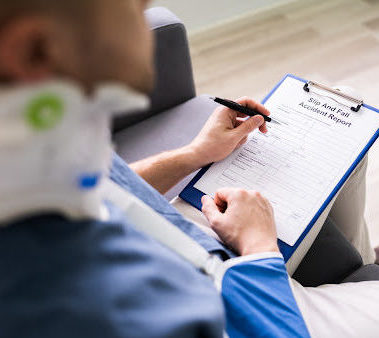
(165, 170)
(224, 131)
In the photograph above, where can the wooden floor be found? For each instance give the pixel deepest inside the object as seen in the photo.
(330, 41)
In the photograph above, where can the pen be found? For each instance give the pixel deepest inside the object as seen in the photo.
(242, 109)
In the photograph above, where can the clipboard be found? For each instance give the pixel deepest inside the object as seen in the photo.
(193, 196)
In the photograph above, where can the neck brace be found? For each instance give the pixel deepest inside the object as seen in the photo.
(55, 147)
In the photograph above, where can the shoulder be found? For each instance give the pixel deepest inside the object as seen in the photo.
(106, 276)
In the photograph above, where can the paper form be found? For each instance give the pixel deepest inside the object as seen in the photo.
(297, 164)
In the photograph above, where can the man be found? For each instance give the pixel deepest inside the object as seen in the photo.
(66, 271)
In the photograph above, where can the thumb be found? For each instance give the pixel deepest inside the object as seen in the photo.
(209, 209)
(251, 124)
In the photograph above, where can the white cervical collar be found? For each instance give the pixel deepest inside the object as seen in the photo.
(55, 147)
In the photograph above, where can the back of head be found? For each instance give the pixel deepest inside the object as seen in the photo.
(18, 7)
(88, 41)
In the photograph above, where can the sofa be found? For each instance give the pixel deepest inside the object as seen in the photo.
(176, 116)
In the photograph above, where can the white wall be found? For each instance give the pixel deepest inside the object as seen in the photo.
(197, 14)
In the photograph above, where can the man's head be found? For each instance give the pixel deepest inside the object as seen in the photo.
(89, 41)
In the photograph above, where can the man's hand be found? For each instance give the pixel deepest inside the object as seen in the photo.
(244, 220)
(225, 131)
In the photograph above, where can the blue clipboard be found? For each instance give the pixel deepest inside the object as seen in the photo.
(193, 196)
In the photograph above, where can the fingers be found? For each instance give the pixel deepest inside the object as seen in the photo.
(210, 209)
(248, 102)
(239, 121)
(247, 225)
(263, 128)
(257, 106)
(221, 203)
(250, 125)
(227, 195)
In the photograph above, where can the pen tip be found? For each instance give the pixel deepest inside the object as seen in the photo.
(212, 98)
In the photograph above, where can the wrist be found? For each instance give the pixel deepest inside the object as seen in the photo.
(259, 248)
(191, 158)
(196, 157)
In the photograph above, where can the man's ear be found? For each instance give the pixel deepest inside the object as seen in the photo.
(25, 50)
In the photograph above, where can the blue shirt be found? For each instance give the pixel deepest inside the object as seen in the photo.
(93, 279)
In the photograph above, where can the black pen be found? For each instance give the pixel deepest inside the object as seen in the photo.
(242, 109)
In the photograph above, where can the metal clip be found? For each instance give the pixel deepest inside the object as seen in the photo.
(358, 102)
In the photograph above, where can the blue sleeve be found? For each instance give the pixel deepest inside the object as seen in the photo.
(122, 175)
(259, 301)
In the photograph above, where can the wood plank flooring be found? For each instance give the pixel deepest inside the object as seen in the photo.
(330, 41)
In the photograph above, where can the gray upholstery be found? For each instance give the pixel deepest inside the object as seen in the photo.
(175, 119)
(365, 273)
(330, 259)
(174, 79)
(173, 128)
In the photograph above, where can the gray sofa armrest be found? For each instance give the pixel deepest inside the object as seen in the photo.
(174, 78)
(330, 259)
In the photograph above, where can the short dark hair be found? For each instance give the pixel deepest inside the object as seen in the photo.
(10, 9)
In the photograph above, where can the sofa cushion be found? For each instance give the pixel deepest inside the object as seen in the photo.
(365, 273)
(169, 130)
(174, 77)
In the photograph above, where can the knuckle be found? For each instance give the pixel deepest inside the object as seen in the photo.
(271, 209)
(204, 202)
(241, 193)
(244, 98)
(269, 205)
(216, 222)
(255, 194)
